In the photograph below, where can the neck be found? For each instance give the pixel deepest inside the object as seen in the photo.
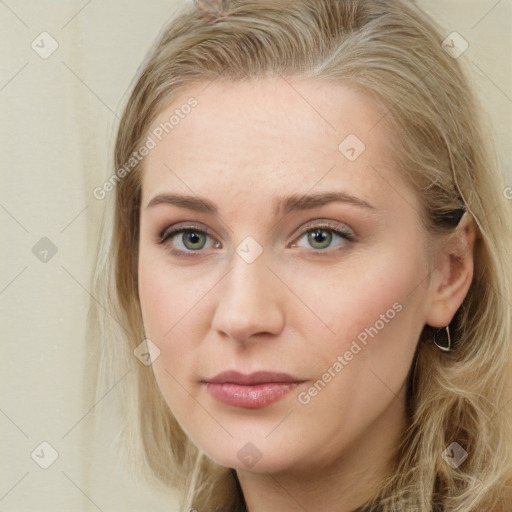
(340, 485)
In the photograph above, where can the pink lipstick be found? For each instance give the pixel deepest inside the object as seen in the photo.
(250, 391)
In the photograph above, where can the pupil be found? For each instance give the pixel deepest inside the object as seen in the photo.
(321, 237)
(193, 239)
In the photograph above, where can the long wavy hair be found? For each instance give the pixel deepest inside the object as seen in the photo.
(393, 52)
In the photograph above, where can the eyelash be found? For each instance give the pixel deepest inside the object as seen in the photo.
(335, 228)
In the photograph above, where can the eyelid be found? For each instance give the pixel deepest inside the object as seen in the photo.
(335, 226)
(182, 226)
(325, 224)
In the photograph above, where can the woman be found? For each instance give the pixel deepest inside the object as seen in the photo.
(308, 253)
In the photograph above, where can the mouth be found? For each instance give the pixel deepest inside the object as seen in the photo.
(250, 391)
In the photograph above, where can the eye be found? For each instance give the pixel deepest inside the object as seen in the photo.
(190, 240)
(322, 237)
(187, 239)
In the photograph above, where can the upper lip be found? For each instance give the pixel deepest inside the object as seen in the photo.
(251, 379)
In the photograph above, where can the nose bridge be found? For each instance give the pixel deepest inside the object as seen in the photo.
(248, 304)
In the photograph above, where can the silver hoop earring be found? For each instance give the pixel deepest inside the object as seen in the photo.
(442, 339)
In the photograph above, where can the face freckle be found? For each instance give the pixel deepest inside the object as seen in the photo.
(245, 292)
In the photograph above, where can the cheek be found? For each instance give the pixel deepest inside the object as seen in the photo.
(154, 300)
(362, 367)
(375, 313)
(381, 294)
(173, 304)
(167, 307)
(168, 297)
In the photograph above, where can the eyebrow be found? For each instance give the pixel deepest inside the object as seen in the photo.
(284, 205)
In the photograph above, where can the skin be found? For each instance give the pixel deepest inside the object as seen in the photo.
(296, 308)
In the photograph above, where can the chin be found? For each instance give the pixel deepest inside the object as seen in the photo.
(256, 456)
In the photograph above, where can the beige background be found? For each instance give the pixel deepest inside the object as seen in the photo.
(58, 122)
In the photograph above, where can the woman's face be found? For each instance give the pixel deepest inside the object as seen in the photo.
(288, 314)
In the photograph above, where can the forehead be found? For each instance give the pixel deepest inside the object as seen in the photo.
(260, 137)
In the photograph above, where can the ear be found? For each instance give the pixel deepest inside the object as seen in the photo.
(452, 274)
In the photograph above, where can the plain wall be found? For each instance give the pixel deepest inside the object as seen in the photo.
(58, 120)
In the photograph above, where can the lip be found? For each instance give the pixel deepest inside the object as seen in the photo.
(250, 391)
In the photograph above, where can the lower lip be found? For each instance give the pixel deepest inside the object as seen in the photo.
(250, 397)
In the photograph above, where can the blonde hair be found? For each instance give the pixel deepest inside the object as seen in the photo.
(391, 51)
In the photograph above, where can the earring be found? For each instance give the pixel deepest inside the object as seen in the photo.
(443, 342)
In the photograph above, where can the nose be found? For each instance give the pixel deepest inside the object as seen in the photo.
(249, 306)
